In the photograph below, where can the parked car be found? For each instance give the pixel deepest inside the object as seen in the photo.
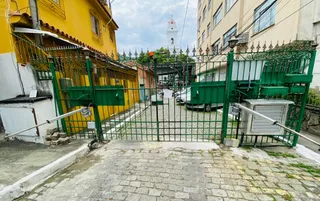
(182, 96)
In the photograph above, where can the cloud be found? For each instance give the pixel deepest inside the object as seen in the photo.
(143, 23)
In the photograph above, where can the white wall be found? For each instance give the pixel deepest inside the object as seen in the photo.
(9, 81)
(18, 116)
(316, 70)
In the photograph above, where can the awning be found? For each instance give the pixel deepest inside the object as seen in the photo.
(36, 31)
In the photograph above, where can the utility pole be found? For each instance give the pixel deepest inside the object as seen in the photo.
(35, 20)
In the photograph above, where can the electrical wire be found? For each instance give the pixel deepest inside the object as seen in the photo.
(184, 22)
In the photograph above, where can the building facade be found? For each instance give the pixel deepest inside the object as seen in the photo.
(34, 29)
(271, 21)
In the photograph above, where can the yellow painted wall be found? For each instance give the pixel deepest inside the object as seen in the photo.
(6, 39)
(76, 23)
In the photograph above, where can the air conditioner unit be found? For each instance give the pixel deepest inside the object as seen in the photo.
(244, 38)
(274, 109)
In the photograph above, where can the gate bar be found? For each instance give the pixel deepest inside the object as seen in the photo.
(274, 122)
(49, 121)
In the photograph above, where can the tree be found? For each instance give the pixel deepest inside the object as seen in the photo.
(163, 56)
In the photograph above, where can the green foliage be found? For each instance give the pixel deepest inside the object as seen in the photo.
(280, 154)
(288, 197)
(290, 176)
(307, 168)
(314, 97)
(163, 56)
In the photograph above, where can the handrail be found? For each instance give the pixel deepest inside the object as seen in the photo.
(83, 110)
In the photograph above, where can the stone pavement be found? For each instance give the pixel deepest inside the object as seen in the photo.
(154, 171)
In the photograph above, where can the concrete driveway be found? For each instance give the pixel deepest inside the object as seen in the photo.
(150, 171)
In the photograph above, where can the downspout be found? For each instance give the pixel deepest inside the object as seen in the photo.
(35, 20)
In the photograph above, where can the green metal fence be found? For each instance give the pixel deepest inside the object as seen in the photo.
(178, 96)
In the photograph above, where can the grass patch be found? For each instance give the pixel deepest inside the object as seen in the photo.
(307, 168)
(290, 176)
(281, 154)
(288, 197)
(247, 148)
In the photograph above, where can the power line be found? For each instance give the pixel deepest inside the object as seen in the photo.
(184, 22)
(285, 17)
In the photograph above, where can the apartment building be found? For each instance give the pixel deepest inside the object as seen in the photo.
(251, 21)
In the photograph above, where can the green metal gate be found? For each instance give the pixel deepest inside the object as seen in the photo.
(131, 95)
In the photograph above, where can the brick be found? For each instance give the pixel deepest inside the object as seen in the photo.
(51, 131)
(48, 137)
(55, 142)
(135, 183)
(154, 192)
(219, 192)
(175, 188)
(63, 135)
(148, 198)
(64, 141)
(190, 190)
(181, 195)
(142, 190)
(55, 136)
(117, 188)
(133, 197)
(211, 198)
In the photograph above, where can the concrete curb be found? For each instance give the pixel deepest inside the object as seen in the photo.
(29, 182)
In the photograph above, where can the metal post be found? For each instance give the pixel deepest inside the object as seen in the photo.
(157, 112)
(304, 98)
(56, 92)
(227, 91)
(35, 20)
(94, 105)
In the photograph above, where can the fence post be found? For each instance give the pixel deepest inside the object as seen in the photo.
(93, 97)
(304, 97)
(56, 92)
(227, 91)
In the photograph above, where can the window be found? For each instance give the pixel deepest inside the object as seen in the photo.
(95, 25)
(228, 35)
(199, 22)
(264, 15)
(203, 35)
(208, 30)
(215, 47)
(56, 1)
(217, 16)
(198, 42)
(229, 4)
(209, 4)
(204, 13)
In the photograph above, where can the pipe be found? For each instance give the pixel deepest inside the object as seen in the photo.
(47, 122)
(274, 122)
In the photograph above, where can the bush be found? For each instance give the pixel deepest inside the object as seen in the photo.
(314, 97)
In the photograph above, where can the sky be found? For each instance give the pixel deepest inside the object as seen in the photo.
(143, 23)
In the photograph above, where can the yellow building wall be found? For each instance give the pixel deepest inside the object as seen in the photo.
(77, 22)
(6, 39)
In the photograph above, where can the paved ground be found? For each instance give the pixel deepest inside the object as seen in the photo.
(152, 171)
(19, 159)
(176, 123)
(308, 144)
